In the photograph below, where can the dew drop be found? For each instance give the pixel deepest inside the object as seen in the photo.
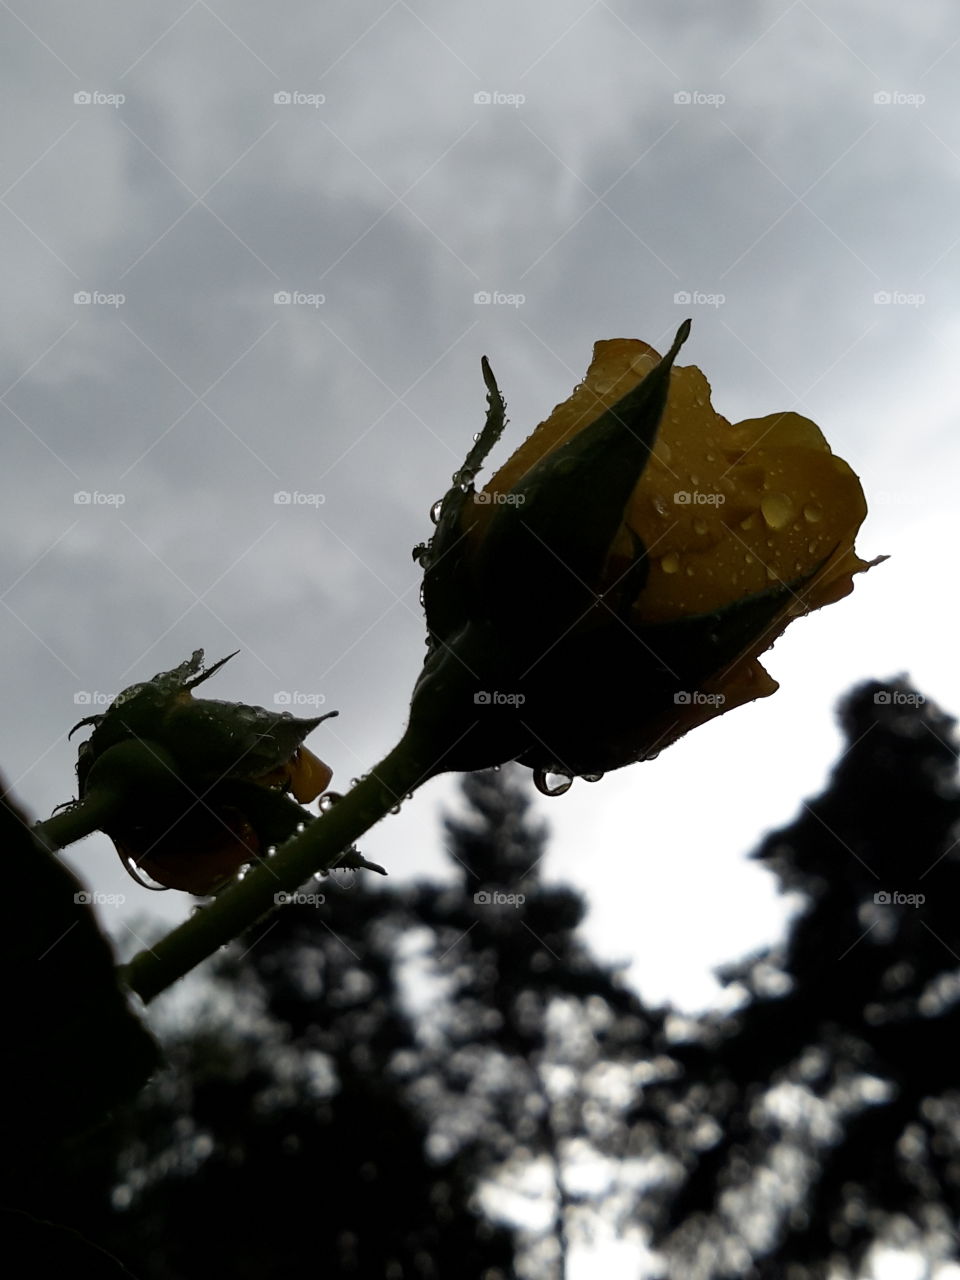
(749, 522)
(812, 512)
(689, 571)
(711, 457)
(771, 575)
(329, 800)
(591, 777)
(700, 526)
(662, 451)
(811, 547)
(748, 558)
(776, 509)
(694, 481)
(395, 809)
(435, 510)
(552, 782)
(670, 563)
(660, 507)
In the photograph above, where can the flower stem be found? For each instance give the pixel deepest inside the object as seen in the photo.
(82, 819)
(315, 849)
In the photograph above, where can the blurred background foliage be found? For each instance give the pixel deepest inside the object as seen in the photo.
(438, 1079)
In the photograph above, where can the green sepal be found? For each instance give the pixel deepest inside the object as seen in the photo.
(447, 585)
(543, 553)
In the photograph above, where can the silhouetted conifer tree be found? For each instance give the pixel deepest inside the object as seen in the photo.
(823, 1116)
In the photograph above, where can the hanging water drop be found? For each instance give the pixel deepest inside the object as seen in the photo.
(329, 800)
(591, 777)
(552, 782)
(435, 510)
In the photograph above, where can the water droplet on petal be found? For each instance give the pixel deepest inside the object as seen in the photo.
(395, 809)
(771, 574)
(748, 523)
(591, 777)
(812, 512)
(660, 507)
(329, 800)
(552, 782)
(776, 509)
(435, 510)
(700, 526)
(670, 563)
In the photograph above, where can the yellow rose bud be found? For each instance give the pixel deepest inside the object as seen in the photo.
(203, 783)
(617, 578)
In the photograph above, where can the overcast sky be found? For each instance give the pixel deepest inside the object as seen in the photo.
(788, 166)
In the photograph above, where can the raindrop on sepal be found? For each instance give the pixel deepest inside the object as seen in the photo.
(435, 511)
(327, 801)
(591, 777)
(552, 782)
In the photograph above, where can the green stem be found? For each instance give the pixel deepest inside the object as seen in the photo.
(315, 849)
(86, 816)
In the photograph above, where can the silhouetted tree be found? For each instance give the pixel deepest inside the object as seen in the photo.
(537, 1039)
(823, 1116)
